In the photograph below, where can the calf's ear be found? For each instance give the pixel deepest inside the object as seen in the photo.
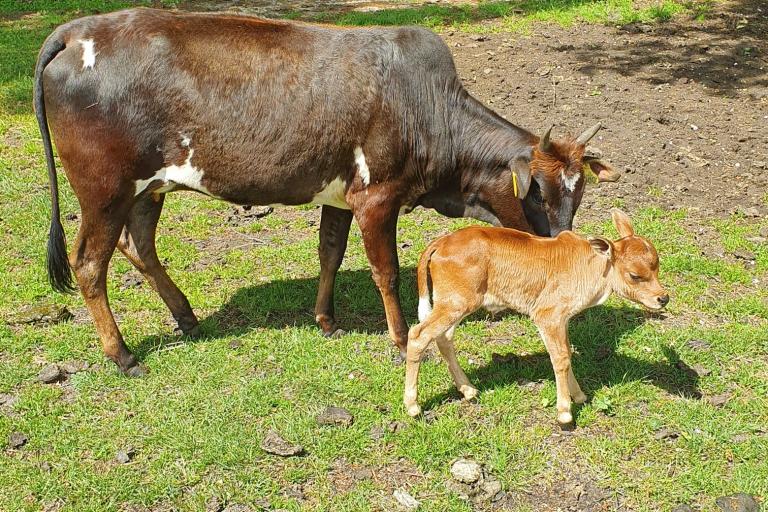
(602, 170)
(622, 223)
(601, 246)
(520, 177)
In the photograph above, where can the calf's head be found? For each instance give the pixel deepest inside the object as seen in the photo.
(634, 264)
(557, 181)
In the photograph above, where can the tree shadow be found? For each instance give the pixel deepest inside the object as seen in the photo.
(596, 335)
(725, 51)
(285, 303)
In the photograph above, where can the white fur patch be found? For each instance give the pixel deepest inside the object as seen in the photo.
(333, 194)
(569, 182)
(89, 53)
(362, 166)
(425, 308)
(185, 174)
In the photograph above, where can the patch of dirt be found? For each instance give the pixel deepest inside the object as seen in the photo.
(684, 104)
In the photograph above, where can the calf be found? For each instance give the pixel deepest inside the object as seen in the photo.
(550, 280)
(366, 122)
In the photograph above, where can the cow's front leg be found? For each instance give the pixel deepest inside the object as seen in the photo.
(334, 231)
(378, 224)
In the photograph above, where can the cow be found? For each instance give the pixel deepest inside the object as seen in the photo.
(549, 279)
(366, 122)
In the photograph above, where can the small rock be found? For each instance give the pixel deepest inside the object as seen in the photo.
(719, 400)
(682, 508)
(17, 439)
(744, 254)
(697, 344)
(335, 416)
(237, 508)
(405, 499)
(125, 455)
(377, 432)
(274, 444)
(213, 505)
(50, 374)
(466, 471)
(740, 502)
(666, 433)
(700, 370)
(487, 71)
(72, 367)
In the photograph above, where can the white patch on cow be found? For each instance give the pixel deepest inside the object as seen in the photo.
(333, 194)
(362, 166)
(425, 308)
(89, 54)
(569, 182)
(185, 174)
(493, 303)
(185, 140)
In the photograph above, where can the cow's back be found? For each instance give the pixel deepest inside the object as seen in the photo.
(257, 99)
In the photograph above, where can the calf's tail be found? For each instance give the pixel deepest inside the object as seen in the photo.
(59, 270)
(424, 282)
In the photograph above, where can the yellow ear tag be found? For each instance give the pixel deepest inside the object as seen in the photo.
(514, 183)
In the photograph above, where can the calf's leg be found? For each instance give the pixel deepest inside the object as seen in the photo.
(137, 243)
(445, 344)
(334, 232)
(556, 341)
(435, 326)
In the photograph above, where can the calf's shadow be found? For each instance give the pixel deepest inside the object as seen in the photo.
(596, 334)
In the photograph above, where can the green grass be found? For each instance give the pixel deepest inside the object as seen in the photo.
(196, 421)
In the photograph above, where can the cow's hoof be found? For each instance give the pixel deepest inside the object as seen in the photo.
(335, 334)
(413, 410)
(136, 370)
(468, 391)
(189, 332)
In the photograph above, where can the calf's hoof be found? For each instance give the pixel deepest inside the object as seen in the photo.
(564, 419)
(191, 331)
(579, 399)
(413, 410)
(468, 391)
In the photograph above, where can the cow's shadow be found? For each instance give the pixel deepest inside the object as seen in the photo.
(596, 334)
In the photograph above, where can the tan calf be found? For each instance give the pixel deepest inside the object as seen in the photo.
(550, 280)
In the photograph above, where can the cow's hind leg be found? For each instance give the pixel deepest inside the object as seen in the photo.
(334, 232)
(137, 243)
(96, 240)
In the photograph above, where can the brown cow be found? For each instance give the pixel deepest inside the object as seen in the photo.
(367, 122)
(551, 280)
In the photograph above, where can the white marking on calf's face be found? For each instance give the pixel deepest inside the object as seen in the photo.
(185, 174)
(333, 194)
(89, 53)
(570, 182)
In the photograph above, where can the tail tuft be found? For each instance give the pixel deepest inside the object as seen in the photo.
(59, 270)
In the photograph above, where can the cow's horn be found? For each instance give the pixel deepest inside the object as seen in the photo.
(588, 134)
(544, 144)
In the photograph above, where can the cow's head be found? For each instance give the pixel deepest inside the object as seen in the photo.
(557, 181)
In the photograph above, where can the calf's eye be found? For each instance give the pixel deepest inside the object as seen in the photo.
(634, 277)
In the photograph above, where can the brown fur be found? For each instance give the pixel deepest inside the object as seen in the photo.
(550, 280)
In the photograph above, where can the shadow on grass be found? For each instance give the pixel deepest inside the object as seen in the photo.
(596, 334)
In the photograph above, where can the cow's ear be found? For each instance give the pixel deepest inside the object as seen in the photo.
(622, 223)
(520, 177)
(601, 246)
(602, 170)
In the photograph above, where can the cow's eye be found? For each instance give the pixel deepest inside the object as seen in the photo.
(634, 277)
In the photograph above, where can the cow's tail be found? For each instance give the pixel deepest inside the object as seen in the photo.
(59, 270)
(424, 282)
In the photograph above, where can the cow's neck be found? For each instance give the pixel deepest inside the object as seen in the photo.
(484, 142)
